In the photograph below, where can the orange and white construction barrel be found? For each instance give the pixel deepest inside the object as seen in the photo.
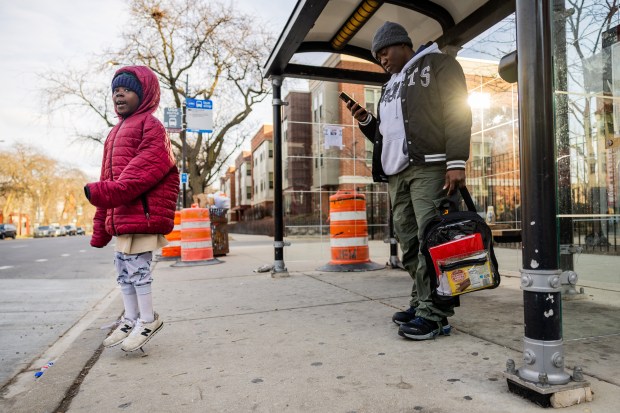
(196, 244)
(172, 251)
(348, 230)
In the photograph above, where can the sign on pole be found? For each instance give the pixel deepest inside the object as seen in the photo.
(173, 119)
(199, 115)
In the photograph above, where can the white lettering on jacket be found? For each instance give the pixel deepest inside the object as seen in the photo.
(411, 81)
(425, 76)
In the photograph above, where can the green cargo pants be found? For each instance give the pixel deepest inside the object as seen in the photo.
(413, 193)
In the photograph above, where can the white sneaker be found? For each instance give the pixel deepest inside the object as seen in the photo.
(121, 332)
(142, 333)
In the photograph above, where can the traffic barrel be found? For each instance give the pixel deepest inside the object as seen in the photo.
(196, 245)
(348, 231)
(172, 251)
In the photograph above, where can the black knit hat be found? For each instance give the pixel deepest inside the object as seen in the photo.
(128, 80)
(389, 34)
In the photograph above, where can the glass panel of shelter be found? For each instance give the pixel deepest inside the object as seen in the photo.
(317, 168)
(337, 158)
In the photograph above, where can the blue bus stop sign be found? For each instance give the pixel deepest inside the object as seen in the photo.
(199, 115)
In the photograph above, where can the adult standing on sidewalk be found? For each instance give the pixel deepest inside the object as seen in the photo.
(135, 199)
(421, 138)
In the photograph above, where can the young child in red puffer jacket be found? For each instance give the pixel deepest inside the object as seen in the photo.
(136, 199)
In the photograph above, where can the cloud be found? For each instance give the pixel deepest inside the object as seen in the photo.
(40, 35)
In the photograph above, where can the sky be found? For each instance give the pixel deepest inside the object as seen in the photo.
(39, 35)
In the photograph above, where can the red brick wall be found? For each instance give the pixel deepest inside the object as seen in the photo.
(265, 133)
(353, 140)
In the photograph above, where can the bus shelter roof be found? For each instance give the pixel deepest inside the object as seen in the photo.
(347, 27)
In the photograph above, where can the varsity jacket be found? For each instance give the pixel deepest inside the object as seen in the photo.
(436, 115)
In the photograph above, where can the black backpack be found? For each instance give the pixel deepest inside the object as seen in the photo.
(451, 224)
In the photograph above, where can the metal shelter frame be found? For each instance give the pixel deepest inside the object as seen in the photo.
(309, 30)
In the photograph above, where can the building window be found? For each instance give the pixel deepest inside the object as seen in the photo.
(315, 109)
(371, 98)
(248, 172)
(270, 149)
(248, 192)
(270, 180)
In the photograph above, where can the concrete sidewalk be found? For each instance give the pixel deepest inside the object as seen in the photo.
(239, 341)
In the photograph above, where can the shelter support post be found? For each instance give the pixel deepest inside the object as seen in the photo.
(542, 375)
(279, 269)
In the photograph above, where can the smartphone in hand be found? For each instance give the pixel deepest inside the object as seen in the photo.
(360, 113)
(346, 98)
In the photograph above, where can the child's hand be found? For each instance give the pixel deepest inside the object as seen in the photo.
(100, 239)
(96, 244)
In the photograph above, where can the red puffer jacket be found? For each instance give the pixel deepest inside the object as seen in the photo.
(139, 184)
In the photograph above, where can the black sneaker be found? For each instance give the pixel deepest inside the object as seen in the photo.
(403, 317)
(422, 329)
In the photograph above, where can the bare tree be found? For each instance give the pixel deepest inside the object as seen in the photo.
(585, 21)
(83, 93)
(199, 49)
(37, 186)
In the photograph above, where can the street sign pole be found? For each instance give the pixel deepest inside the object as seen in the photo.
(197, 117)
(183, 139)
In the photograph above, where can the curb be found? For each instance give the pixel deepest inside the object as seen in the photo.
(55, 389)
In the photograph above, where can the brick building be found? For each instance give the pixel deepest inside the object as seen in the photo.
(262, 170)
(297, 152)
(344, 164)
(242, 199)
(228, 186)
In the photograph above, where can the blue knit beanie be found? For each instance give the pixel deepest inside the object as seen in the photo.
(129, 81)
(389, 34)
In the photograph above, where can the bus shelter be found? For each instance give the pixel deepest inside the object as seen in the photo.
(346, 27)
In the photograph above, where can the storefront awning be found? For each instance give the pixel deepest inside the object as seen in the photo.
(347, 27)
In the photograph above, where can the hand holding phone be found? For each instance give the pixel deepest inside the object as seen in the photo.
(358, 112)
(346, 98)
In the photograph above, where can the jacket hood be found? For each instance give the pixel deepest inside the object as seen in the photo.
(150, 88)
(432, 48)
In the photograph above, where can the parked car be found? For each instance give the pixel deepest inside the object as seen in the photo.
(58, 230)
(71, 229)
(8, 231)
(80, 231)
(43, 231)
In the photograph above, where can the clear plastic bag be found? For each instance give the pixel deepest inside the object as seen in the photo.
(465, 273)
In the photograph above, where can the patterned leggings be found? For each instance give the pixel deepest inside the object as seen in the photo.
(133, 269)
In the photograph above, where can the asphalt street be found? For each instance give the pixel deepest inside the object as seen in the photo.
(46, 287)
